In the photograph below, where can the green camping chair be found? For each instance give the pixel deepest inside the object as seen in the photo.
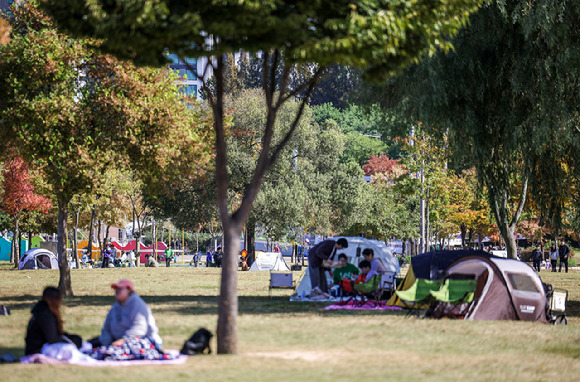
(456, 296)
(418, 295)
(361, 292)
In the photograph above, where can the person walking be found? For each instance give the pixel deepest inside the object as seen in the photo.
(554, 256)
(168, 256)
(208, 258)
(537, 258)
(564, 252)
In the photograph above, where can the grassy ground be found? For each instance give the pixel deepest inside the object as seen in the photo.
(285, 341)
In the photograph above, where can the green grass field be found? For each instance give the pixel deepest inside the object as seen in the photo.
(292, 341)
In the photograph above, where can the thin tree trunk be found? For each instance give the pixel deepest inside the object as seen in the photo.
(74, 249)
(99, 225)
(251, 241)
(64, 283)
(16, 242)
(12, 250)
(91, 232)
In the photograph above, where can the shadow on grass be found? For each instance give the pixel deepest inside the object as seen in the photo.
(208, 305)
(203, 305)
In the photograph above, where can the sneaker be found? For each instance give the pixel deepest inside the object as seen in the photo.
(316, 291)
(317, 297)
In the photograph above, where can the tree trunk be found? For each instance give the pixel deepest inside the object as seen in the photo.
(12, 251)
(463, 229)
(509, 236)
(64, 283)
(106, 238)
(228, 301)
(99, 224)
(74, 248)
(16, 242)
(427, 223)
(91, 232)
(251, 241)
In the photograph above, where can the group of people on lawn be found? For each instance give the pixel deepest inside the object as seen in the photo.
(562, 253)
(321, 260)
(128, 320)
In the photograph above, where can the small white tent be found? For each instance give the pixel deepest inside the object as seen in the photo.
(354, 254)
(269, 261)
(38, 258)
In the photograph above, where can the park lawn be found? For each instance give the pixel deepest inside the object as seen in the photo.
(291, 341)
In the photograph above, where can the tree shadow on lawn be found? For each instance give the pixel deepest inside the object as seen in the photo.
(203, 305)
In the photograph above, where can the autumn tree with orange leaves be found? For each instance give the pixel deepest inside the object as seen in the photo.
(18, 197)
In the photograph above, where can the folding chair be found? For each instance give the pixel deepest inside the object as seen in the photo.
(418, 295)
(368, 289)
(456, 296)
(388, 284)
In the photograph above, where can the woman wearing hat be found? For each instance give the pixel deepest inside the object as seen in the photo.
(129, 317)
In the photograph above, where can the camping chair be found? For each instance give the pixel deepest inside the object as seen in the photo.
(359, 293)
(456, 296)
(557, 306)
(418, 295)
(281, 280)
(388, 284)
(366, 290)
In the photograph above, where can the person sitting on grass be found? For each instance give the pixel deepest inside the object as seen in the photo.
(129, 317)
(151, 261)
(45, 325)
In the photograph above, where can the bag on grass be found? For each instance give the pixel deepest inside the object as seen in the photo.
(198, 343)
(4, 311)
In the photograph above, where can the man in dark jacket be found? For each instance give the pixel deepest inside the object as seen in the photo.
(319, 258)
(537, 258)
(564, 252)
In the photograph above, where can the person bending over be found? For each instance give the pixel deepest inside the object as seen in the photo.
(319, 260)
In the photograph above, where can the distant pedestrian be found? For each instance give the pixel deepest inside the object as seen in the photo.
(554, 256)
(208, 258)
(195, 259)
(106, 255)
(218, 257)
(564, 252)
(168, 256)
(537, 258)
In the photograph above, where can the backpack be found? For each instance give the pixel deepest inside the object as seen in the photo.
(198, 343)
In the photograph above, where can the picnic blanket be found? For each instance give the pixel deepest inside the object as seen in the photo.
(357, 305)
(130, 354)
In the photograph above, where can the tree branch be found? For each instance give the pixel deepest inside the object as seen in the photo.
(522, 202)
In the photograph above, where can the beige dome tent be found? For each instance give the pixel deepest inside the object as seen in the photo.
(506, 289)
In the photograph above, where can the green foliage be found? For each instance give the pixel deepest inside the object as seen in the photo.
(507, 97)
(380, 36)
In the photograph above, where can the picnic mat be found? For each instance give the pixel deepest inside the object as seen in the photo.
(357, 305)
(43, 359)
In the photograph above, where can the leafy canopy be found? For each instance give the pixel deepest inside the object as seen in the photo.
(380, 36)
